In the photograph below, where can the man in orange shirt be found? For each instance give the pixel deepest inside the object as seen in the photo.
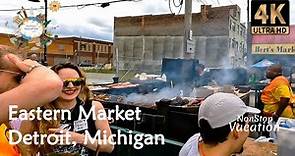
(277, 96)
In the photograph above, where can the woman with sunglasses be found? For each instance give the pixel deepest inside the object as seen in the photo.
(75, 93)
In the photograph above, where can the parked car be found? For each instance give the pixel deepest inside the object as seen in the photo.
(86, 63)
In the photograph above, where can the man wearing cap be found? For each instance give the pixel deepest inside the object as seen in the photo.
(277, 96)
(217, 137)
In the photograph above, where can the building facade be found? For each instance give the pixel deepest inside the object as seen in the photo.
(77, 50)
(218, 37)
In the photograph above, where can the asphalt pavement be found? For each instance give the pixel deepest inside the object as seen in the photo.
(99, 78)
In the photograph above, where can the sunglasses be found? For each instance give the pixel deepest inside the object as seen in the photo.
(18, 76)
(76, 82)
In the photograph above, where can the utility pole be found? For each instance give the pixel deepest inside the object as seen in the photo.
(188, 50)
(97, 57)
(249, 36)
(45, 47)
(79, 50)
(116, 77)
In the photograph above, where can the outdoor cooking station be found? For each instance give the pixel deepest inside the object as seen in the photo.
(160, 115)
(167, 114)
(175, 122)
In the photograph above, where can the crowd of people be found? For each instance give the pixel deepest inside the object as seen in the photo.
(28, 84)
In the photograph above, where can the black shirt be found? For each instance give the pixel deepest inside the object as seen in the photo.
(78, 126)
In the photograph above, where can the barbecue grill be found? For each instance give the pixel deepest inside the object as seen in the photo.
(175, 121)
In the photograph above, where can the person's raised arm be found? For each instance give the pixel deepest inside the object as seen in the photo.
(103, 126)
(40, 86)
(284, 102)
(284, 92)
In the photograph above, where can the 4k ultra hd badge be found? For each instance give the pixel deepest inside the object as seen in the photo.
(270, 17)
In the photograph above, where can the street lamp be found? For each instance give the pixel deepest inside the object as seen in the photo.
(45, 48)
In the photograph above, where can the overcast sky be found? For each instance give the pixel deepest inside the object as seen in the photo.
(97, 22)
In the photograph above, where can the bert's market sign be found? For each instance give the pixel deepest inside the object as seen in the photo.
(273, 49)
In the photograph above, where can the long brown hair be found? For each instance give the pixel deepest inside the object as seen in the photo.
(43, 125)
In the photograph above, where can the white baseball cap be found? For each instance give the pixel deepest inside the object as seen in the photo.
(220, 109)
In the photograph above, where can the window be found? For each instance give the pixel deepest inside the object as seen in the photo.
(234, 26)
(109, 49)
(90, 47)
(234, 13)
(97, 48)
(241, 46)
(82, 47)
(87, 47)
(233, 43)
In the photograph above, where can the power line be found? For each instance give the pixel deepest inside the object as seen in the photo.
(231, 1)
(205, 2)
(200, 1)
(218, 2)
(179, 5)
(79, 6)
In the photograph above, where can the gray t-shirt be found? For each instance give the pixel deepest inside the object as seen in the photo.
(190, 148)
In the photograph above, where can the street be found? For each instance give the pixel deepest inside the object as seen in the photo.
(99, 78)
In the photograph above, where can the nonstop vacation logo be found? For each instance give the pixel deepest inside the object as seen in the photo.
(270, 17)
(254, 123)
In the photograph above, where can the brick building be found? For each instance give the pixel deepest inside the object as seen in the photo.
(78, 50)
(218, 36)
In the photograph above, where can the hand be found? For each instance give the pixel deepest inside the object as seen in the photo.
(275, 117)
(25, 66)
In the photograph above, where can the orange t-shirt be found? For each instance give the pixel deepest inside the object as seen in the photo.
(5, 148)
(271, 94)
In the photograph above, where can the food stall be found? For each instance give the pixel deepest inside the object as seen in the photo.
(176, 118)
(166, 108)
